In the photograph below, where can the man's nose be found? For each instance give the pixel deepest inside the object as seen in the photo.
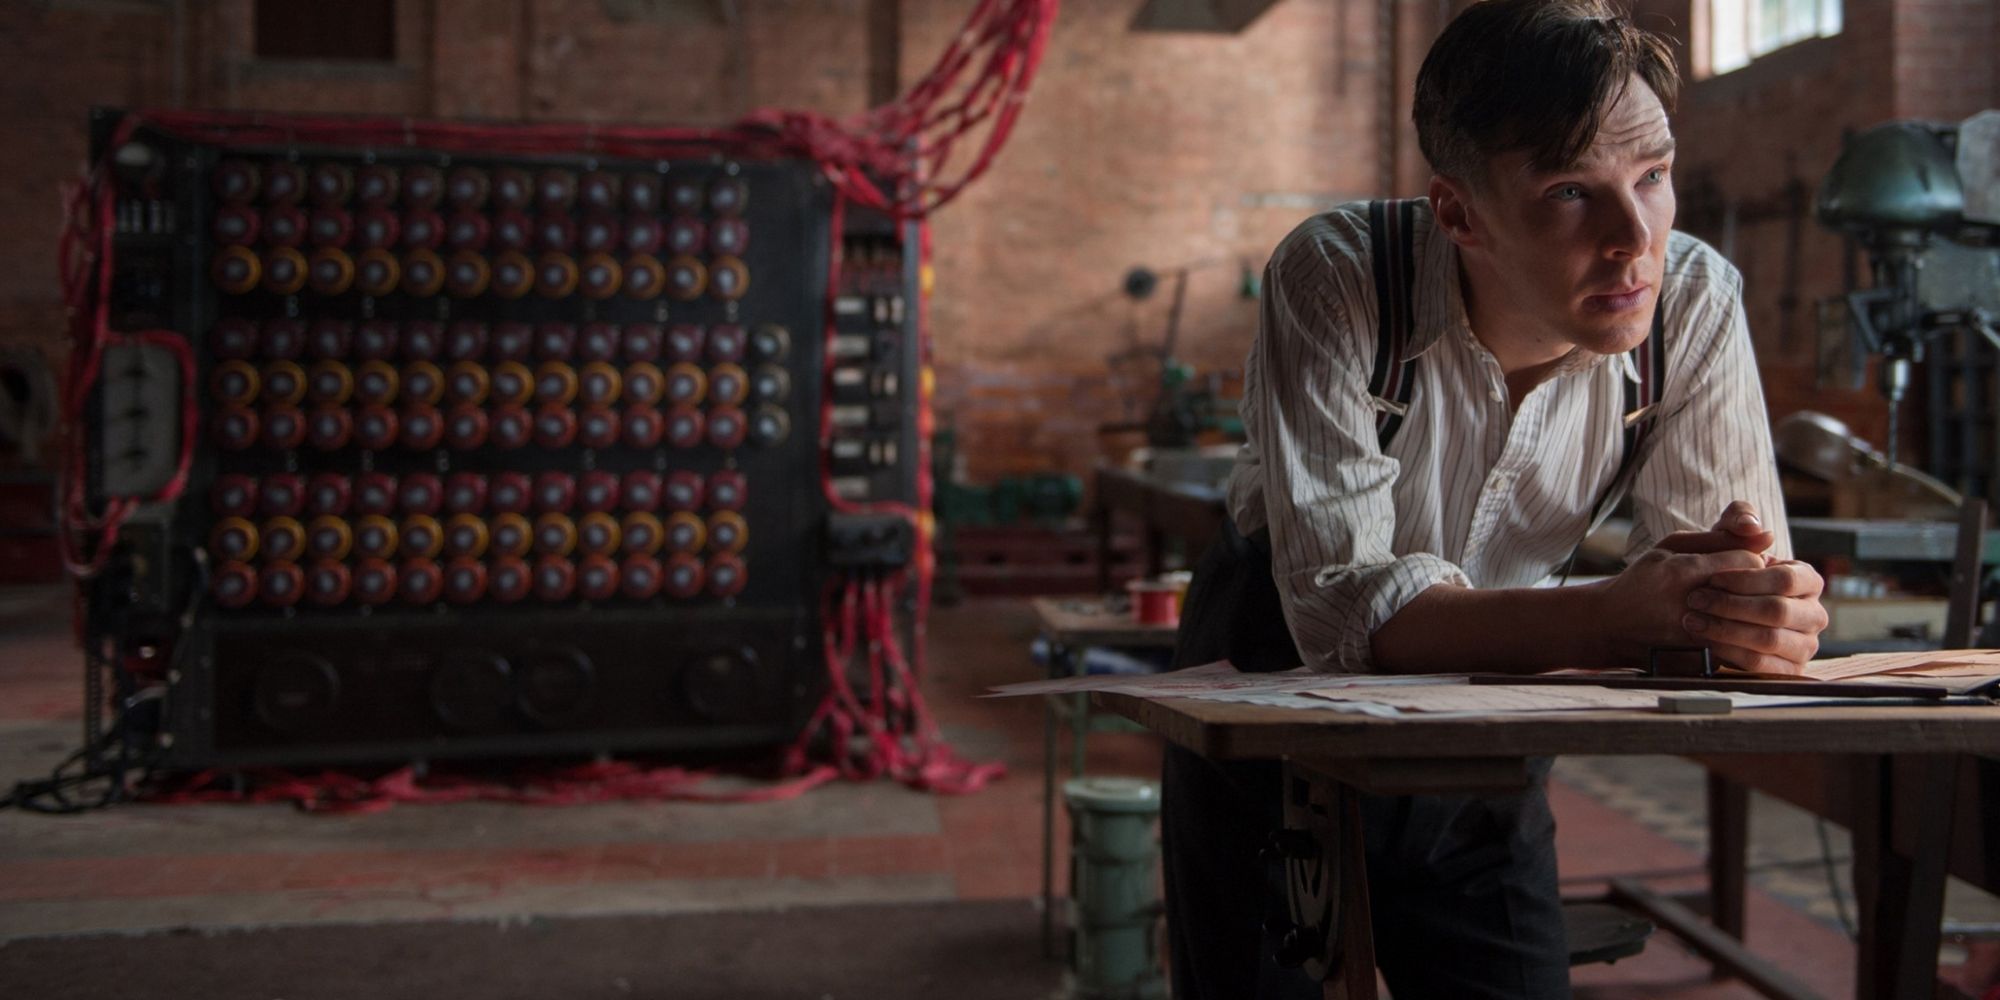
(1626, 234)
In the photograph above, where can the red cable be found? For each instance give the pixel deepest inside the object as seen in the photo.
(607, 781)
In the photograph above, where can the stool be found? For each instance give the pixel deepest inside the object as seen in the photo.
(1601, 932)
(1114, 872)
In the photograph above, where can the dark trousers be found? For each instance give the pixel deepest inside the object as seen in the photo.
(1462, 889)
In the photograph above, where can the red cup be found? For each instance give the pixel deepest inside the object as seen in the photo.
(1155, 602)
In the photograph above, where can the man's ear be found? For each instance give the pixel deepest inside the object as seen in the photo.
(1451, 205)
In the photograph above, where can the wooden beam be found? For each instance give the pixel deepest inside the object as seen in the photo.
(1710, 943)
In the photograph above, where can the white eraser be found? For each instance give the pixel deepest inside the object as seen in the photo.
(1695, 704)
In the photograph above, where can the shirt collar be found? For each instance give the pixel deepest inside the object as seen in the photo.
(1442, 315)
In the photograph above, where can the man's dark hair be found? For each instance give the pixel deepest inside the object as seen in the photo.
(1531, 75)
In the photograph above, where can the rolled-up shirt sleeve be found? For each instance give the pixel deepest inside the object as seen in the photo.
(1715, 446)
(1310, 425)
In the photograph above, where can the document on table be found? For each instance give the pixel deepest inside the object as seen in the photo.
(1217, 681)
(1926, 663)
(1509, 699)
(1429, 695)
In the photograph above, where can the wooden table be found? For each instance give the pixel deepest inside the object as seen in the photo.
(1868, 540)
(1901, 760)
(1165, 508)
(1070, 626)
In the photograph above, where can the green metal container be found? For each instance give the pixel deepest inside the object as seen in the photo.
(1115, 908)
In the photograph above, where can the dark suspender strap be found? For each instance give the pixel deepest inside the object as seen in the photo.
(1640, 414)
(1650, 358)
(1395, 266)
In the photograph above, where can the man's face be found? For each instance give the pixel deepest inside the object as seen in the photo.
(1578, 253)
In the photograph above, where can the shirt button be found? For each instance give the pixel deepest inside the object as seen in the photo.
(1497, 395)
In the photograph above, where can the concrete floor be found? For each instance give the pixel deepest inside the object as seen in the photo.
(149, 868)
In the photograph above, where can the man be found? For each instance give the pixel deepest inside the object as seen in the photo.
(1407, 531)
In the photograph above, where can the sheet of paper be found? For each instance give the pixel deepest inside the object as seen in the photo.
(1440, 695)
(1508, 699)
(1867, 664)
(1214, 681)
(1295, 700)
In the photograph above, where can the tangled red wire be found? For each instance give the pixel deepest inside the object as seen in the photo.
(904, 158)
(84, 267)
(600, 781)
(868, 160)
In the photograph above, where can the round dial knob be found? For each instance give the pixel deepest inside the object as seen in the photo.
(684, 427)
(420, 493)
(465, 427)
(683, 576)
(422, 581)
(284, 428)
(233, 584)
(464, 581)
(374, 582)
(597, 427)
(685, 490)
(465, 536)
(641, 532)
(328, 584)
(727, 575)
(643, 426)
(233, 494)
(555, 578)
(510, 427)
(512, 492)
(328, 428)
(281, 584)
(639, 577)
(465, 493)
(329, 538)
(329, 493)
(282, 495)
(508, 580)
(597, 578)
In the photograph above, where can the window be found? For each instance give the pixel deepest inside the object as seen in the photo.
(1742, 30)
(348, 31)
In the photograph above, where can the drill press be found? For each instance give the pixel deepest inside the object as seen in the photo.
(1923, 200)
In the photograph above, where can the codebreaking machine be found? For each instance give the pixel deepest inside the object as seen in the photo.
(422, 452)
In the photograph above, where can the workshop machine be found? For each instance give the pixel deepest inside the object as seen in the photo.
(1923, 200)
(460, 445)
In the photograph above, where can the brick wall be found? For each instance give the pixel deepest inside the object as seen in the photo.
(1139, 149)
(59, 60)
(1163, 150)
(1944, 58)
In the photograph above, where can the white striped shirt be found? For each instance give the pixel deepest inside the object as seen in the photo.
(1469, 493)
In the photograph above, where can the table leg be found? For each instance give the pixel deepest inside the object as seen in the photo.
(1049, 818)
(1353, 966)
(1079, 733)
(1902, 833)
(1100, 518)
(1728, 844)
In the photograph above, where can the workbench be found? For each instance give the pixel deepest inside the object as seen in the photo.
(1867, 540)
(1898, 768)
(1165, 508)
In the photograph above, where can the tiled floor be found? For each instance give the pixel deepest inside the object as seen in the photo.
(139, 868)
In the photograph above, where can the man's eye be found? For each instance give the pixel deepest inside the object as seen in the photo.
(1567, 192)
(1656, 175)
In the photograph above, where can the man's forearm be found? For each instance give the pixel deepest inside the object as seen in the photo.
(1451, 629)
